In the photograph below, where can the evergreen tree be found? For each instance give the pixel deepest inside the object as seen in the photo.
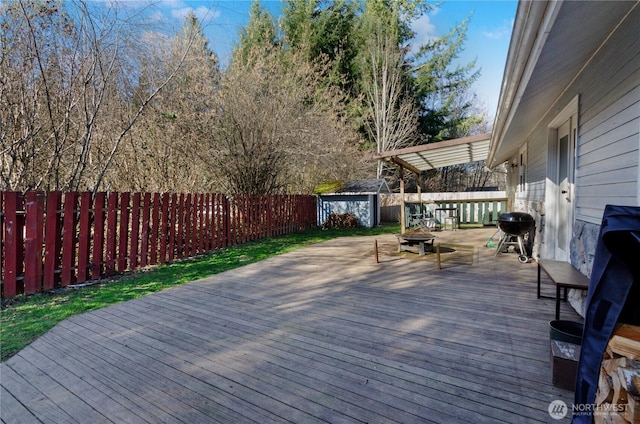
(259, 33)
(443, 89)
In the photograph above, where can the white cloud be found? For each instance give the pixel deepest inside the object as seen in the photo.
(504, 31)
(425, 31)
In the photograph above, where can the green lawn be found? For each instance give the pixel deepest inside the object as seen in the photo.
(25, 318)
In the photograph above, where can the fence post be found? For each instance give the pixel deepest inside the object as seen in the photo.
(146, 222)
(13, 243)
(180, 226)
(112, 233)
(155, 221)
(53, 245)
(34, 221)
(2, 251)
(172, 226)
(208, 221)
(164, 227)
(69, 238)
(187, 226)
(124, 231)
(229, 221)
(84, 238)
(98, 235)
(201, 224)
(135, 231)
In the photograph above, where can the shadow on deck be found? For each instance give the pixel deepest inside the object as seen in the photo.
(322, 334)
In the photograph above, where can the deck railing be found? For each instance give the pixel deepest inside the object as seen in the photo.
(55, 239)
(470, 208)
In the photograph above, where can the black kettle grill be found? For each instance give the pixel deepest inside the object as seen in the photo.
(515, 225)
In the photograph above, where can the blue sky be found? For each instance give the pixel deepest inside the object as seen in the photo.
(488, 33)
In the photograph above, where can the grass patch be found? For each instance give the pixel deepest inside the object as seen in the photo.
(26, 318)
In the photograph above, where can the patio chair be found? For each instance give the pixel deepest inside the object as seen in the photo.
(427, 224)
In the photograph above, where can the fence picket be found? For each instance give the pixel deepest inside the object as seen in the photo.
(146, 222)
(98, 235)
(112, 229)
(53, 245)
(53, 240)
(155, 221)
(172, 227)
(124, 231)
(134, 231)
(33, 242)
(84, 237)
(2, 253)
(12, 239)
(69, 238)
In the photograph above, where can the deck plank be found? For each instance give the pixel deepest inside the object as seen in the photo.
(322, 334)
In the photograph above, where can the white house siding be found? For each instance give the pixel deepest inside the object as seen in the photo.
(608, 144)
(530, 198)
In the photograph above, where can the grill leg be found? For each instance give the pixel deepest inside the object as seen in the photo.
(501, 244)
(521, 245)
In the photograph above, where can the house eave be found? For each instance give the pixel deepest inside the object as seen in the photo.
(532, 25)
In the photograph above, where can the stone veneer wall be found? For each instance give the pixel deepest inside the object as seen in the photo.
(536, 210)
(583, 248)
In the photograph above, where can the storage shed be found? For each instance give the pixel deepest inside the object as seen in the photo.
(360, 197)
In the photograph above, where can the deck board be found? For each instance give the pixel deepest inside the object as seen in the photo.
(322, 334)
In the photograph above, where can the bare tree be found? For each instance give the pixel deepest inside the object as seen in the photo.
(66, 72)
(278, 129)
(392, 113)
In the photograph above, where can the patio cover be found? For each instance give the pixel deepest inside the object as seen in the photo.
(437, 155)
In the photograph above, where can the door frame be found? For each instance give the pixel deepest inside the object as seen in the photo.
(555, 248)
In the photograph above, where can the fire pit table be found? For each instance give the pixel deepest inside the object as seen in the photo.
(408, 241)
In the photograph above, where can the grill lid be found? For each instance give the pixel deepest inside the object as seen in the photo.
(515, 217)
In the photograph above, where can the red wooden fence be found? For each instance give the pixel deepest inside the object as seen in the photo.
(52, 240)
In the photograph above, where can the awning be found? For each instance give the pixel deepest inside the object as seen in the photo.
(437, 155)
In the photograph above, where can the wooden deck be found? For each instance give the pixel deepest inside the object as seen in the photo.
(322, 334)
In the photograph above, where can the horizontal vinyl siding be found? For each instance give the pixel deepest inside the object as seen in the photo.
(609, 123)
(537, 148)
(607, 162)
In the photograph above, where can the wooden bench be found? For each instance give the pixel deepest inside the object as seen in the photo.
(407, 241)
(564, 276)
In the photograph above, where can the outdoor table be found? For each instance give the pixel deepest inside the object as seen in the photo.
(452, 214)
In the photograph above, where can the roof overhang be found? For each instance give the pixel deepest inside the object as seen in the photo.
(551, 45)
(437, 155)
